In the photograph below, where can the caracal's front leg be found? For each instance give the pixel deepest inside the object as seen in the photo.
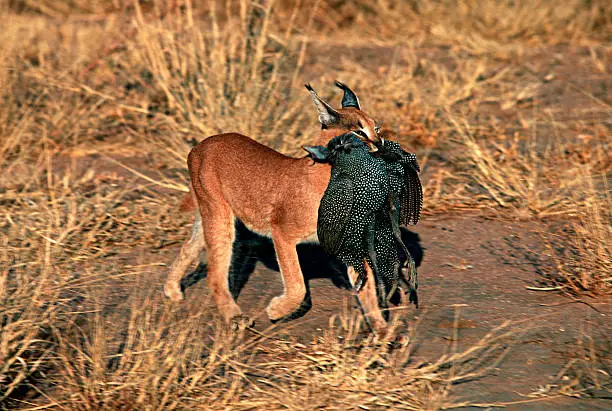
(295, 301)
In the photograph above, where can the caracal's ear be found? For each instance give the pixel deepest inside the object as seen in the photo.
(319, 154)
(327, 114)
(349, 99)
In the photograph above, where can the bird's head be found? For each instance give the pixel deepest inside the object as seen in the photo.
(341, 144)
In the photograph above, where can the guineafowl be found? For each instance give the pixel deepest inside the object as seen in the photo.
(354, 221)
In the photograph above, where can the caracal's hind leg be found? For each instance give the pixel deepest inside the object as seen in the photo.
(295, 301)
(191, 249)
(219, 235)
(368, 300)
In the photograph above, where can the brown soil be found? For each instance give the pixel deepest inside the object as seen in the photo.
(469, 263)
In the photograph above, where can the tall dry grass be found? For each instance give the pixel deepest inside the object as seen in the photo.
(165, 359)
(485, 26)
(540, 178)
(581, 255)
(239, 77)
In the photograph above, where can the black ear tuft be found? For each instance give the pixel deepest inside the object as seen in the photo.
(319, 154)
(349, 99)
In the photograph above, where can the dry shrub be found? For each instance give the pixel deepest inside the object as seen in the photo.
(593, 236)
(30, 282)
(588, 373)
(580, 251)
(170, 82)
(504, 27)
(29, 306)
(49, 230)
(58, 235)
(498, 28)
(226, 79)
(62, 8)
(160, 360)
(411, 93)
(175, 80)
(56, 217)
(536, 177)
(529, 176)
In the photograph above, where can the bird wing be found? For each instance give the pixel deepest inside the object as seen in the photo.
(412, 200)
(334, 212)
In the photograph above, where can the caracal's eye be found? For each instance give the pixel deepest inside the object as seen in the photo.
(377, 129)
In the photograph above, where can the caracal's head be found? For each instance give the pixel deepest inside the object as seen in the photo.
(348, 118)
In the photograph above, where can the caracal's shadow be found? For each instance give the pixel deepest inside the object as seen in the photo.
(250, 248)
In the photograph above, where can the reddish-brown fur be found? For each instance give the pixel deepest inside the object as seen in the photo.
(275, 195)
(188, 204)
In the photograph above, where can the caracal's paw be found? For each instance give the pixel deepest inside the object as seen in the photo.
(173, 292)
(284, 308)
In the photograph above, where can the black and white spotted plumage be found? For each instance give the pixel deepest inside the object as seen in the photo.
(368, 196)
(405, 182)
(406, 203)
(358, 188)
(354, 220)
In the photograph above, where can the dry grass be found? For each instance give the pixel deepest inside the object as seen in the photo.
(581, 255)
(85, 88)
(562, 180)
(205, 366)
(588, 371)
(487, 26)
(532, 176)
